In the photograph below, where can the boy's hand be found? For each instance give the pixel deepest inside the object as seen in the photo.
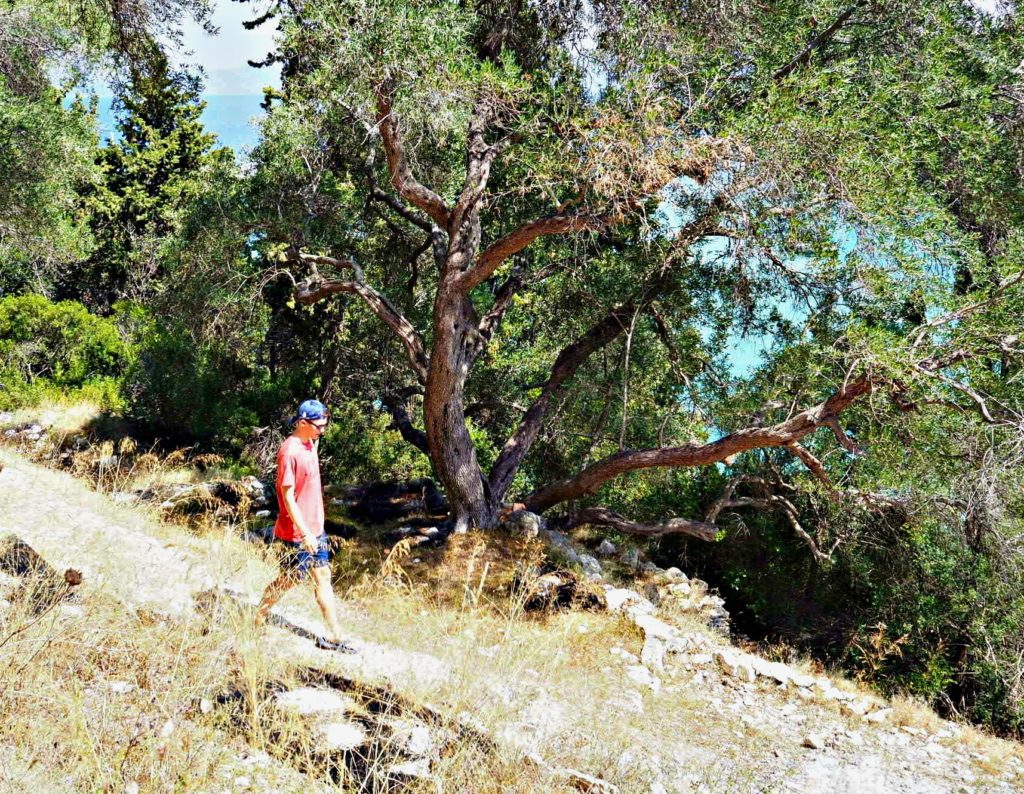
(309, 543)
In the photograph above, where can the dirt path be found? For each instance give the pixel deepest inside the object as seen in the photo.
(72, 526)
(163, 568)
(704, 732)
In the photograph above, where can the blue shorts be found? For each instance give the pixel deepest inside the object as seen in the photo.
(297, 560)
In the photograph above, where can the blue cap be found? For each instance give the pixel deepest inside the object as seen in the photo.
(310, 409)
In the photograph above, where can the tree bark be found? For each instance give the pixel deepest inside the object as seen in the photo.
(451, 449)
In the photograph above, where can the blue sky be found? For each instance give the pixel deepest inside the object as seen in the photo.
(233, 89)
(224, 56)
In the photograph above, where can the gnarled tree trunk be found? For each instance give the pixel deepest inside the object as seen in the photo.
(451, 449)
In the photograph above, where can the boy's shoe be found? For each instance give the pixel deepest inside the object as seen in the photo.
(340, 646)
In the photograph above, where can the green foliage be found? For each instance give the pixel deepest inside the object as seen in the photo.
(60, 342)
(47, 148)
(159, 166)
(189, 387)
(45, 152)
(852, 195)
(46, 346)
(361, 447)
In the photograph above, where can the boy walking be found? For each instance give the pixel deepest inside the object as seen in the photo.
(300, 523)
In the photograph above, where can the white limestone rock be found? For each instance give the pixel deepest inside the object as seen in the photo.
(313, 701)
(642, 676)
(342, 736)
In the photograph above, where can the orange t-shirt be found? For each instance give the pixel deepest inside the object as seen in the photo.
(298, 466)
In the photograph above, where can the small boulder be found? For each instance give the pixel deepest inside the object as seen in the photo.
(414, 738)
(654, 627)
(311, 700)
(774, 670)
(857, 708)
(606, 548)
(653, 654)
(879, 717)
(642, 676)
(256, 490)
(524, 524)
(417, 769)
(814, 741)
(342, 736)
(591, 567)
(562, 544)
(732, 664)
(588, 783)
(618, 599)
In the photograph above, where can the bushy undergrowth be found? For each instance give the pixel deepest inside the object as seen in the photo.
(49, 348)
(913, 608)
(199, 389)
(205, 390)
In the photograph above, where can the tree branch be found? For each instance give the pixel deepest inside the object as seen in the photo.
(601, 516)
(568, 362)
(1007, 283)
(767, 500)
(398, 406)
(514, 242)
(401, 174)
(572, 357)
(818, 41)
(844, 440)
(816, 467)
(779, 435)
(503, 298)
(316, 289)
(398, 207)
(980, 403)
(479, 158)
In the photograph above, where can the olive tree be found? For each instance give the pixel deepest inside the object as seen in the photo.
(842, 178)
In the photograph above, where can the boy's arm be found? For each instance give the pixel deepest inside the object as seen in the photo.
(308, 538)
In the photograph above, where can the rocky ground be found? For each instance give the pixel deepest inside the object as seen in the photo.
(660, 701)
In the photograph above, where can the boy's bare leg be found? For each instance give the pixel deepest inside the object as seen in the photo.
(277, 588)
(325, 598)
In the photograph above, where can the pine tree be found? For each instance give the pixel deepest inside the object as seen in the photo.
(151, 173)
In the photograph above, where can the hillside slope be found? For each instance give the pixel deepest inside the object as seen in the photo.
(559, 703)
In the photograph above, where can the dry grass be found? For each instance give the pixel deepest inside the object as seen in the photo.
(548, 678)
(914, 713)
(120, 694)
(102, 699)
(99, 698)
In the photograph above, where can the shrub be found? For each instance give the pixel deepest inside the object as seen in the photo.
(913, 607)
(47, 347)
(199, 388)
